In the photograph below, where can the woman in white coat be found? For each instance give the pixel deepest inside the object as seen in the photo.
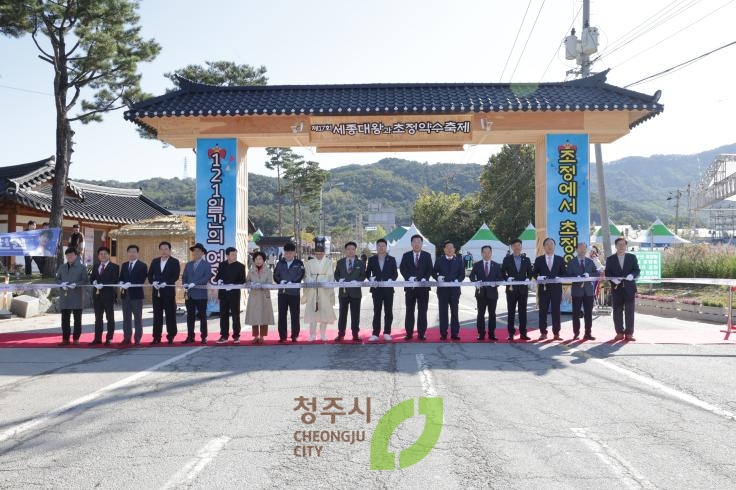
(320, 301)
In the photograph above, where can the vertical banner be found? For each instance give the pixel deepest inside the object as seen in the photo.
(217, 170)
(568, 195)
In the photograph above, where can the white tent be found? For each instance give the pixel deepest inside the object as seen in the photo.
(256, 236)
(613, 231)
(403, 245)
(528, 239)
(485, 236)
(658, 235)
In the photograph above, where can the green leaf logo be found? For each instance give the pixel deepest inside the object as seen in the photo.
(431, 408)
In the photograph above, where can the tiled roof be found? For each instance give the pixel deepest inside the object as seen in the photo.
(29, 184)
(588, 94)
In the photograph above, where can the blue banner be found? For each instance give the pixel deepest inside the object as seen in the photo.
(568, 195)
(217, 170)
(36, 243)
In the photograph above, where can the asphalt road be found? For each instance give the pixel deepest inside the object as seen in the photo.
(525, 416)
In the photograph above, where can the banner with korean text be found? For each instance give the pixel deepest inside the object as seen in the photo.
(217, 170)
(568, 194)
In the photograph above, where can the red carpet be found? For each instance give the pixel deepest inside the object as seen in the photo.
(710, 334)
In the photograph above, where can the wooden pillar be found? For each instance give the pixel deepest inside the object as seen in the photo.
(241, 233)
(540, 191)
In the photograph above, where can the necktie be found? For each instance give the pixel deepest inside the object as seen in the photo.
(195, 265)
(487, 268)
(130, 266)
(582, 264)
(416, 259)
(549, 264)
(350, 266)
(102, 268)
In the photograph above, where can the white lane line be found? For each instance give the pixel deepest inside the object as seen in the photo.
(628, 475)
(77, 404)
(682, 396)
(425, 376)
(195, 466)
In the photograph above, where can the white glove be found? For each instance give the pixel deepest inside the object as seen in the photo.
(423, 279)
(630, 277)
(412, 278)
(586, 275)
(125, 286)
(72, 285)
(527, 281)
(191, 285)
(541, 278)
(616, 281)
(98, 286)
(162, 285)
(440, 278)
(155, 284)
(509, 279)
(64, 285)
(342, 279)
(220, 282)
(282, 282)
(456, 280)
(94, 282)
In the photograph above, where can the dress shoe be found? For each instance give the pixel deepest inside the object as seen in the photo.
(629, 338)
(108, 342)
(525, 337)
(588, 337)
(408, 337)
(443, 336)
(63, 343)
(154, 342)
(543, 336)
(576, 336)
(492, 339)
(356, 338)
(75, 341)
(455, 337)
(294, 340)
(125, 342)
(422, 337)
(619, 336)
(339, 338)
(282, 341)
(556, 337)
(480, 338)
(204, 341)
(137, 342)
(186, 341)
(95, 342)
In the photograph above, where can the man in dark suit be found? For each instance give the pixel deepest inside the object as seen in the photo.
(486, 297)
(348, 269)
(288, 270)
(583, 293)
(104, 297)
(197, 272)
(517, 267)
(133, 271)
(163, 274)
(230, 271)
(416, 265)
(623, 291)
(382, 267)
(549, 266)
(449, 268)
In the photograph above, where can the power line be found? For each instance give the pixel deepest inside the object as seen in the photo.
(557, 49)
(515, 39)
(527, 40)
(674, 33)
(680, 65)
(25, 90)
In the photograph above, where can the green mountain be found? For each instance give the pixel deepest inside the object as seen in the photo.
(637, 189)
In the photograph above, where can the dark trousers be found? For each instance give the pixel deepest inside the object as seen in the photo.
(449, 297)
(586, 302)
(418, 297)
(549, 293)
(40, 261)
(104, 306)
(342, 317)
(484, 303)
(164, 306)
(288, 303)
(196, 310)
(230, 307)
(383, 298)
(132, 314)
(623, 303)
(516, 300)
(65, 326)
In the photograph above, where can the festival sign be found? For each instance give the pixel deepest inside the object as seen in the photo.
(454, 129)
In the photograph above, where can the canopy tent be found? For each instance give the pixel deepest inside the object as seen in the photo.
(403, 245)
(485, 236)
(528, 239)
(613, 231)
(395, 234)
(256, 236)
(658, 235)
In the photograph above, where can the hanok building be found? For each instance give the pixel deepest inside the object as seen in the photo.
(25, 194)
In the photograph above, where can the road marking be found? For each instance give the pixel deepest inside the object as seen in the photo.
(628, 475)
(77, 404)
(195, 466)
(425, 376)
(682, 396)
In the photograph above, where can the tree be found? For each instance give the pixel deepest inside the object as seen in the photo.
(280, 158)
(374, 235)
(443, 217)
(303, 180)
(507, 191)
(220, 73)
(93, 46)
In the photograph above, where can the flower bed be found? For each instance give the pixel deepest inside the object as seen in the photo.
(683, 308)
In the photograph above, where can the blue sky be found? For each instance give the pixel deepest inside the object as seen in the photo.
(394, 41)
